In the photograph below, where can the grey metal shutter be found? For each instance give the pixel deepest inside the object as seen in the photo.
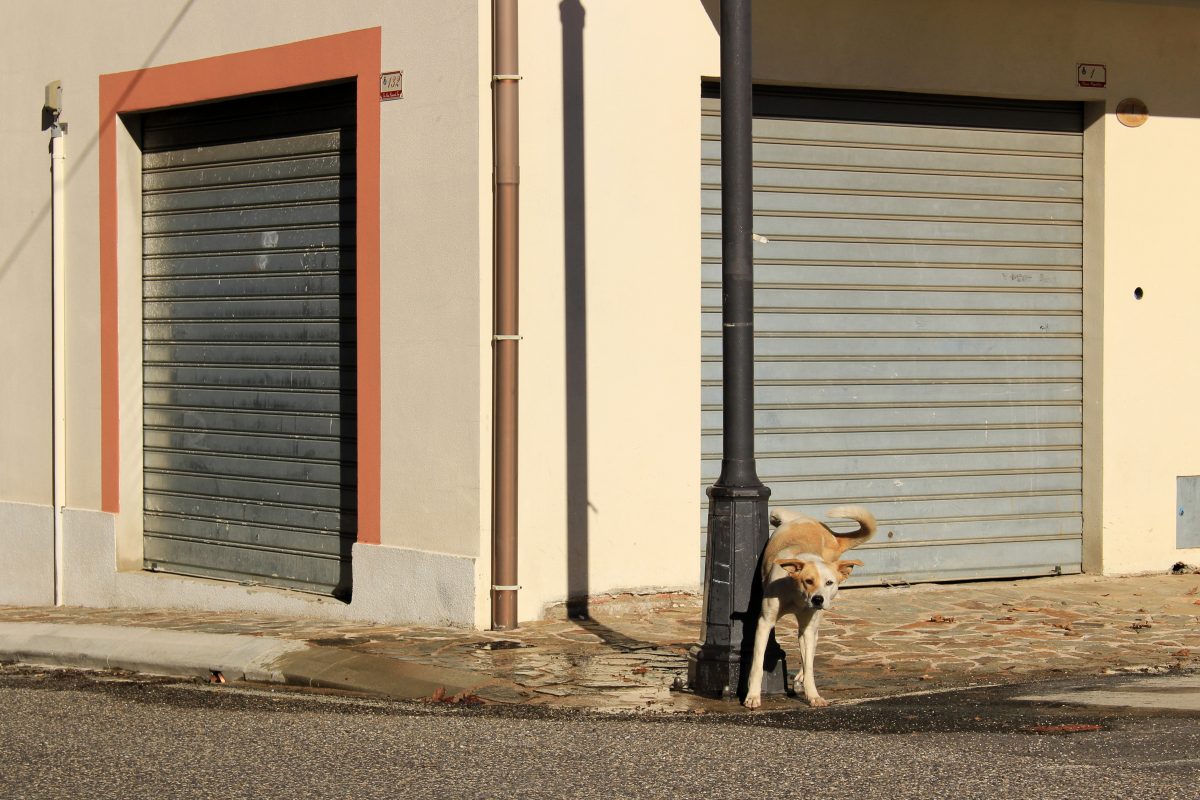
(918, 324)
(249, 339)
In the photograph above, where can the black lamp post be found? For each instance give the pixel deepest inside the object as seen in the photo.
(737, 515)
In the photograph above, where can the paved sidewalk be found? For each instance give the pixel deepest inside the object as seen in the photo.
(631, 653)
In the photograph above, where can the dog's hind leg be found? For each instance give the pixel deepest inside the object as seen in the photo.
(766, 623)
(810, 622)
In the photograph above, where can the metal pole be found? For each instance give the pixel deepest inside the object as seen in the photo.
(737, 253)
(58, 264)
(737, 516)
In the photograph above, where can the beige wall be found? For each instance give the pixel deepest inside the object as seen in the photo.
(25, 352)
(609, 476)
(432, 262)
(1152, 378)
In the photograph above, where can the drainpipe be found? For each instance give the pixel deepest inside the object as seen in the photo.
(504, 331)
(58, 263)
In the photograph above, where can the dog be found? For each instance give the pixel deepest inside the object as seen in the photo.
(801, 570)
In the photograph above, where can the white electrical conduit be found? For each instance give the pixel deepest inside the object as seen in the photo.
(58, 287)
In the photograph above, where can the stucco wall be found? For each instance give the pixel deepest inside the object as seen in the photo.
(610, 290)
(1151, 379)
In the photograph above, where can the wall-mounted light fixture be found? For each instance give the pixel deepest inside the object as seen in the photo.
(1132, 113)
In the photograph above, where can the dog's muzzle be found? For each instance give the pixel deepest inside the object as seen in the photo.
(817, 600)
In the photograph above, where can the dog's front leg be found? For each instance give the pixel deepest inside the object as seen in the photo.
(809, 624)
(766, 622)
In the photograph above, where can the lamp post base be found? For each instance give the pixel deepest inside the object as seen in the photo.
(737, 535)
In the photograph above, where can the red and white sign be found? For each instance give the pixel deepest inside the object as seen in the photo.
(1094, 75)
(391, 85)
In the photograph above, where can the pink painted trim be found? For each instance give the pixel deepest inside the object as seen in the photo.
(347, 55)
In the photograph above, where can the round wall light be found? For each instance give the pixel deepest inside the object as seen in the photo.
(1132, 113)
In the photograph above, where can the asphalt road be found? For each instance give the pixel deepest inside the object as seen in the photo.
(85, 735)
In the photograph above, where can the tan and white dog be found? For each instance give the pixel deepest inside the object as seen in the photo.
(801, 569)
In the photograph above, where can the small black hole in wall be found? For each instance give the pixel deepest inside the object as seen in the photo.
(1137, 293)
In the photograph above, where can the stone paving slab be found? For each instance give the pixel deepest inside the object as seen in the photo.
(630, 653)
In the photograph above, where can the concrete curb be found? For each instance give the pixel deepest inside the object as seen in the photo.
(155, 652)
(237, 657)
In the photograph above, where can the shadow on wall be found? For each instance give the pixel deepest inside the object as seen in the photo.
(77, 158)
(572, 15)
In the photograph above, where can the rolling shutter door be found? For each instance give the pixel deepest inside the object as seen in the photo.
(249, 339)
(918, 313)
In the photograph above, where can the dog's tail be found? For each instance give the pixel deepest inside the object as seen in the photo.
(865, 520)
(781, 515)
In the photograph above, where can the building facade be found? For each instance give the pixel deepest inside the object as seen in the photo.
(973, 227)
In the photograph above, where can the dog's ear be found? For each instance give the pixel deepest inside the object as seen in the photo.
(844, 568)
(790, 565)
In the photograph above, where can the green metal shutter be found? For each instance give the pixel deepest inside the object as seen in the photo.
(918, 313)
(249, 339)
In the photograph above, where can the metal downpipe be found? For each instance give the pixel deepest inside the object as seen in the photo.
(505, 336)
(58, 262)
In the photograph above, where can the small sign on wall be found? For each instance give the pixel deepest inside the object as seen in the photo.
(1094, 75)
(391, 85)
